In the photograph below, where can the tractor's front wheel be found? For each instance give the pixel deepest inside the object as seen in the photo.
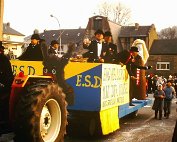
(41, 114)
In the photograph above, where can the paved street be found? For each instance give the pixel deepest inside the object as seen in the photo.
(143, 128)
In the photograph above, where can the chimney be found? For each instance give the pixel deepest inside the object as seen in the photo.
(136, 26)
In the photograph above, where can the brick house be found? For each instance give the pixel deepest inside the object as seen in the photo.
(128, 34)
(163, 57)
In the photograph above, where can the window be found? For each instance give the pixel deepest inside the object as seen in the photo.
(163, 66)
(97, 24)
(127, 43)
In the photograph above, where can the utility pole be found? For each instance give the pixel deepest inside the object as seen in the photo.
(1, 18)
(59, 33)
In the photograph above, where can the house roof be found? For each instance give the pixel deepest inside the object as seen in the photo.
(67, 35)
(134, 31)
(164, 47)
(10, 31)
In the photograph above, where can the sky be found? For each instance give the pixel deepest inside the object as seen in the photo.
(27, 15)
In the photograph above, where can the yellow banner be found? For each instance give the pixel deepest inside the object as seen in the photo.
(28, 67)
(36, 67)
(109, 120)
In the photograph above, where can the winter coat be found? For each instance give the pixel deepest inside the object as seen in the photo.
(138, 91)
(92, 54)
(6, 75)
(111, 53)
(159, 100)
(32, 53)
(6, 79)
(169, 93)
(52, 50)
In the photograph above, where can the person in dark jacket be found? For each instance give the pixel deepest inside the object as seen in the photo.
(97, 48)
(112, 48)
(55, 65)
(33, 51)
(53, 49)
(159, 96)
(133, 62)
(137, 85)
(169, 94)
(6, 79)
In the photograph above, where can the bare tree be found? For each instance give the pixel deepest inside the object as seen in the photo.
(168, 33)
(105, 9)
(115, 12)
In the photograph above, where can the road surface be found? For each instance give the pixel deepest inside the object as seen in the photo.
(142, 128)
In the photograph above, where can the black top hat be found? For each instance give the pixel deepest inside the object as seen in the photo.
(108, 33)
(99, 32)
(134, 49)
(35, 36)
(54, 42)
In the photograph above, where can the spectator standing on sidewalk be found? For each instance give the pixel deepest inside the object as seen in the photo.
(149, 81)
(154, 83)
(159, 96)
(169, 94)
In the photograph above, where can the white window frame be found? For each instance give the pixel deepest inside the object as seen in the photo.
(163, 63)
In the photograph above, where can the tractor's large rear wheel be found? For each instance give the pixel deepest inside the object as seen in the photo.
(41, 114)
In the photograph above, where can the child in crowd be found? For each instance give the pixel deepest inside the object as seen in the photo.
(159, 96)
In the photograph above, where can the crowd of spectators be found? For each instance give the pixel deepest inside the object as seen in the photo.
(154, 80)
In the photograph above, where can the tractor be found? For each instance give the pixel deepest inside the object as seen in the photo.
(38, 103)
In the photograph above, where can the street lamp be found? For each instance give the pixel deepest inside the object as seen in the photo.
(59, 34)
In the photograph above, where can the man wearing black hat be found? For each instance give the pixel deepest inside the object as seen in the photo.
(133, 64)
(53, 49)
(112, 48)
(33, 51)
(97, 48)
